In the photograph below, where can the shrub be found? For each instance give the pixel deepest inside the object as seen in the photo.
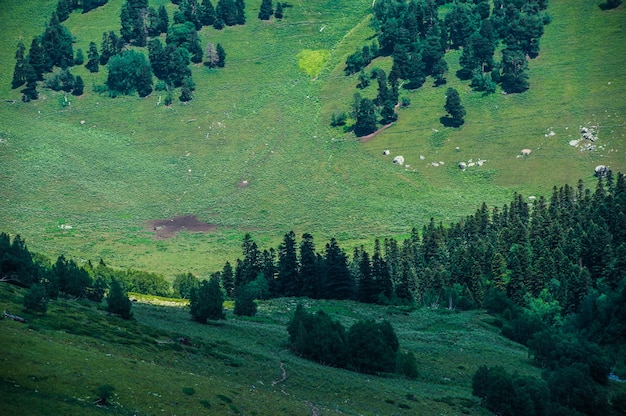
(35, 299)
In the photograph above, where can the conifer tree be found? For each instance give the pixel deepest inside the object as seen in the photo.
(339, 282)
(279, 10)
(288, 279)
(93, 58)
(365, 118)
(117, 301)
(206, 302)
(266, 10)
(19, 71)
(228, 280)
(221, 56)
(309, 270)
(79, 86)
(454, 107)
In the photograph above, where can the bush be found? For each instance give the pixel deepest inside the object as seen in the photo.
(35, 299)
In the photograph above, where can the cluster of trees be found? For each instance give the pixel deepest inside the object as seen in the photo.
(63, 278)
(66, 7)
(128, 70)
(266, 10)
(368, 347)
(51, 49)
(417, 39)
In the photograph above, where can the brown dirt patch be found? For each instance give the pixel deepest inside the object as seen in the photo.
(370, 136)
(170, 227)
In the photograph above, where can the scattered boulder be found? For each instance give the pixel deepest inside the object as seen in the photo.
(462, 165)
(601, 171)
(399, 160)
(386, 152)
(525, 152)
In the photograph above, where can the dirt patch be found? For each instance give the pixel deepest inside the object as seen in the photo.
(170, 227)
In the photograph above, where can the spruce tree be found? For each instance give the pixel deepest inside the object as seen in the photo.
(266, 11)
(19, 71)
(279, 10)
(206, 302)
(309, 271)
(365, 118)
(454, 107)
(93, 58)
(288, 279)
(117, 301)
(79, 86)
(35, 300)
(228, 280)
(221, 56)
(339, 282)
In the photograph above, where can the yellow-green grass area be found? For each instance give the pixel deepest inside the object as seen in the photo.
(55, 363)
(108, 167)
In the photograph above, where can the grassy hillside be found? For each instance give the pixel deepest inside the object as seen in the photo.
(54, 364)
(265, 118)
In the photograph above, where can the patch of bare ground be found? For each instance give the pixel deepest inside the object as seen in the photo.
(168, 228)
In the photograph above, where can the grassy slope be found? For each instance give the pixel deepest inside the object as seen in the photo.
(263, 120)
(54, 364)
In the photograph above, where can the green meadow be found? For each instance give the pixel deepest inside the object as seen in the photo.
(254, 151)
(236, 366)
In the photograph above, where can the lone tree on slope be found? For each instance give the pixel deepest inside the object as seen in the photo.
(454, 108)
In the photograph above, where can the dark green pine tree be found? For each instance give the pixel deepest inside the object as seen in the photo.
(228, 280)
(186, 92)
(240, 6)
(383, 89)
(163, 20)
(79, 59)
(19, 71)
(365, 118)
(367, 290)
(288, 279)
(514, 77)
(454, 107)
(221, 56)
(117, 301)
(279, 10)
(266, 10)
(226, 11)
(244, 301)
(309, 271)
(57, 44)
(339, 282)
(63, 10)
(519, 264)
(93, 58)
(207, 301)
(380, 273)
(207, 13)
(111, 45)
(79, 86)
(37, 59)
(30, 91)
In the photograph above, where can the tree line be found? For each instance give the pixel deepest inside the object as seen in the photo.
(417, 39)
(129, 71)
(552, 271)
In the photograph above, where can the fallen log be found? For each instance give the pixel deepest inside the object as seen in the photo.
(13, 317)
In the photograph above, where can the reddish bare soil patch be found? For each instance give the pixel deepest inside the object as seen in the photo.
(170, 227)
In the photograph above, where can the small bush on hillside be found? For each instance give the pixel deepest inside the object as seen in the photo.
(35, 299)
(104, 393)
